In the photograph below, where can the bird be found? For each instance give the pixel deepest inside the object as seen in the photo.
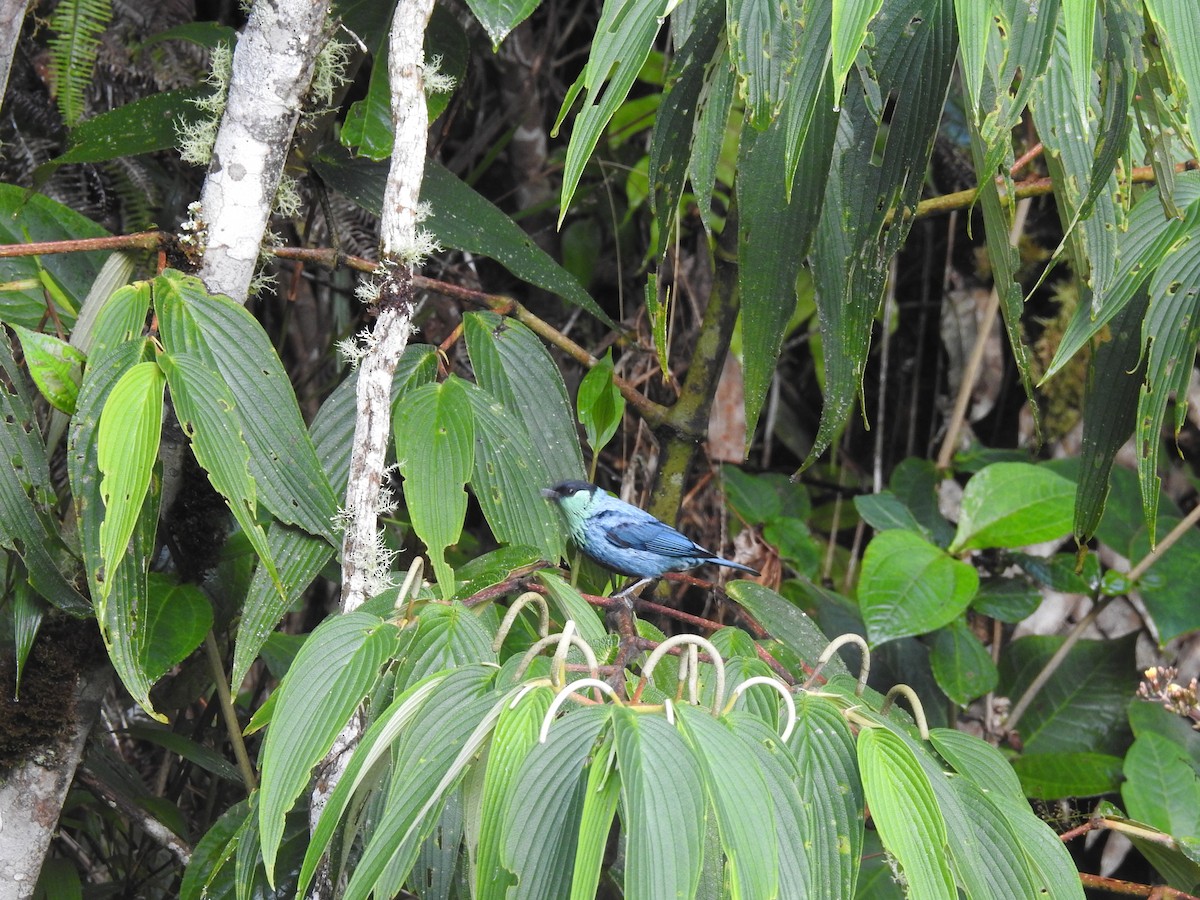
(626, 539)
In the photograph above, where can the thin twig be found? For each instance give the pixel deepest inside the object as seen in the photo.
(1189, 521)
(232, 725)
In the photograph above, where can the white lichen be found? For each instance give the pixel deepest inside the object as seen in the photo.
(196, 139)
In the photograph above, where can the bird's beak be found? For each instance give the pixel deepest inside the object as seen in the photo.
(550, 493)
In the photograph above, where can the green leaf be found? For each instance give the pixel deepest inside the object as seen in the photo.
(33, 218)
(431, 755)
(435, 450)
(79, 26)
(1162, 787)
(515, 736)
(508, 476)
(541, 820)
(288, 476)
(905, 812)
(884, 511)
(175, 621)
(447, 637)
(1171, 329)
(1007, 599)
(1177, 28)
(762, 47)
(334, 670)
(1081, 708)
(499, 17)
(1014, 505)
(662, 807)
(568, 605)
(623, 39)
(1051, 776)
(785, 622)
(601, 793)
(56, 367)
(737, 791)
(462, 219)
(908, 586)
(26, 495)
(849, 28)
(127, 447)
(209, 417)
(512, 364)
(961, 664)
(831, 793)
(600, 404)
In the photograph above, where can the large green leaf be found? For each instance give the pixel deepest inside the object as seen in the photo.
(209, 416)
(515, 736)
(175, 621)
(499, 17)
(762, 47)
(785, 622)
(26, 495)
(512, 364)
(1053, 776)
(435, 450)
(961, 664)
(868, 200)
(831, 791)
(662, 807)
(623, 39)
(288, 475)
(447, 637)
(1162, 787)
(130, 429)
(461, 218)
(909, 586)
(27, 280)
(334, 670)
(1013, 505)
(1177, 30)
(1081, 707)
(906, 813)
(737, 790)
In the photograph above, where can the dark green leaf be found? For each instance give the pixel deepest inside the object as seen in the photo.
(1050, 776)
(499, 17)
(600, 404)
(56, 367)
(175, 620)
(961, 664)
(785, 622)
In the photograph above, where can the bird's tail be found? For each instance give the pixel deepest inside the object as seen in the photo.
(729, 563)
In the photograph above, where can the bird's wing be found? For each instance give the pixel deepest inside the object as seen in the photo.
(653, 536)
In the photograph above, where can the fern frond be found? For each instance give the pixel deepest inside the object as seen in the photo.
(78, 26)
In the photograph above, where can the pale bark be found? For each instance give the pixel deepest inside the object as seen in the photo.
(12, 13)
(32, 795)
(272, 71)
(361, 565)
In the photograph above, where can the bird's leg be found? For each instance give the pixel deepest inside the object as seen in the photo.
(627, 594)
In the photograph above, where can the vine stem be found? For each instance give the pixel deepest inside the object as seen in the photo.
(228, 713)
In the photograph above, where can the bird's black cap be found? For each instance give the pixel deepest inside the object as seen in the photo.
(566, 489)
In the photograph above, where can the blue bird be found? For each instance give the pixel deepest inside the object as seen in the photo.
(626, 539)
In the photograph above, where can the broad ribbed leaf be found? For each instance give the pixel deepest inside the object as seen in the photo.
(601, 793)
(737, 790)
(130, 428)
(289, 478)
(120, 319)
(849, 25)
(499, 17)
(461, 218)
(511, 364)
(699, 62)
(623, 39)
(1013, 505)
(56, 367)
(905, 812)
(832, 795)
(26, 218)
(435, 450)
(1171, 329)
(1078, 24)
(1162, 786)
(443, 739)
(26, 495)
(909, 586)
(1177, 31)
(334, 670)
(542, 818)
(1109, 412)
(1081, 708)
(515, 736)
(447, 637)
(567, 603)
(1141, 250)
(508, 476)
(871, 193)
(762, 46)
(662, 807)
(209, 416)
(785, 622)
